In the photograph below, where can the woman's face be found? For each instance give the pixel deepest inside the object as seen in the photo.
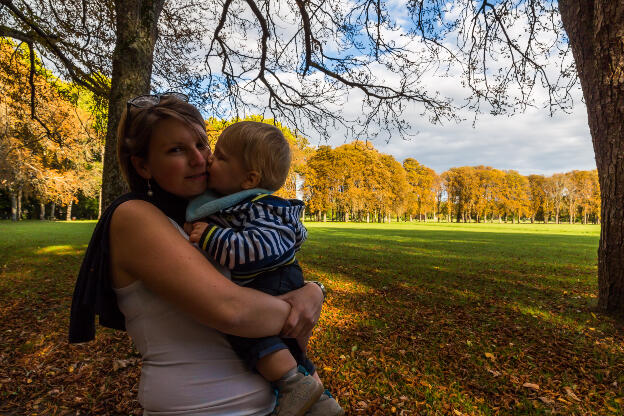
(177, 159)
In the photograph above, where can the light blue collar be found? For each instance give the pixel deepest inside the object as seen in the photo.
(210, 202)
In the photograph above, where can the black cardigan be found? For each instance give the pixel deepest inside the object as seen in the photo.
(93, 293)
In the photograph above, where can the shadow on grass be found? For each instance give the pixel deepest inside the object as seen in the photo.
(476, 315)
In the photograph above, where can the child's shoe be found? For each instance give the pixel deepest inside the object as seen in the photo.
(297, 393)
(326, 405)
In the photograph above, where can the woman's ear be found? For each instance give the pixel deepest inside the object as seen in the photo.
(141, 167)
(251, 180)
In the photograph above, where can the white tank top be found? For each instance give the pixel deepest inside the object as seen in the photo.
(188, 368)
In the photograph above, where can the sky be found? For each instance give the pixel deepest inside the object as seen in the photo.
(531, 143)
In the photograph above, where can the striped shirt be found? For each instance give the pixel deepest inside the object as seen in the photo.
(259, 234)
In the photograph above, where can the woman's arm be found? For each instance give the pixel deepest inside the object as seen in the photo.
(144, 246)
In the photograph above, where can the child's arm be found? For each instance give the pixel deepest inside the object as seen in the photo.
(265, 241)
(301, 234)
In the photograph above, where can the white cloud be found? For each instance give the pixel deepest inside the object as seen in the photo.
(531, 143)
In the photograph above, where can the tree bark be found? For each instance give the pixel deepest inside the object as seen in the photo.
(41, 211)
(68, 216)
(100, 203)
(52, 211)
(137, 31)
(19, 204)
(596, 32)
(13, 206)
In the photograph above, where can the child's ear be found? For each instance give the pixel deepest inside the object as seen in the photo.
(251, 180)
(141, 167)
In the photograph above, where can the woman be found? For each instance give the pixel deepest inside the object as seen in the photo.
(141, 274)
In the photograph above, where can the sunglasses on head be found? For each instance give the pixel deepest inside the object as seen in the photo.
(149, 100)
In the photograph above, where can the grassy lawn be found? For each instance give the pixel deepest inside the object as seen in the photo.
(442, 319)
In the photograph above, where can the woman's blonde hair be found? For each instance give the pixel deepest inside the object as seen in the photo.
(134, 136)
(262, 148)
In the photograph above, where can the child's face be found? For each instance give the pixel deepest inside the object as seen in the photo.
(226, 172)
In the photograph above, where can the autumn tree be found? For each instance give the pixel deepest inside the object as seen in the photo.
(537, 196)
(555, 191)
(422, 181)
(517, 194)
(488, 191)
(319, 185)
(461, 186)
(52, 157)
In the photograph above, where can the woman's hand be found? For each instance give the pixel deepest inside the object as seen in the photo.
(305, 310)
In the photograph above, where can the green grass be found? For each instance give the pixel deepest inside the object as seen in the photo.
(421, 319)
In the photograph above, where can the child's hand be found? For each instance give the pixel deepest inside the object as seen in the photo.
(198, 230)
(188, 228)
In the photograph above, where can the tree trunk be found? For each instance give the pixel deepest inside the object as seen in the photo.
(19, 203)
(594, 28)
(100, 204)
(13, 206)
(324, 216)
(41, 211)
(52, 211)
(137, 30)
(571, 210)
(68, 216)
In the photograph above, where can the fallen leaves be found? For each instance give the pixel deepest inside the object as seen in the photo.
(570, 394)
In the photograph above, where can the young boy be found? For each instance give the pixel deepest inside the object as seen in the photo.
(256, 235)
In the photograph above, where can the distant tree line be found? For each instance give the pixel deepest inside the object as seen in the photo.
(354, 182)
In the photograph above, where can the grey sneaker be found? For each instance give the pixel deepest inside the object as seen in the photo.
(296, 395)
(326, 405)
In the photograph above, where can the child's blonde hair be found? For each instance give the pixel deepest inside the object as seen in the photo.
(262, 148)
